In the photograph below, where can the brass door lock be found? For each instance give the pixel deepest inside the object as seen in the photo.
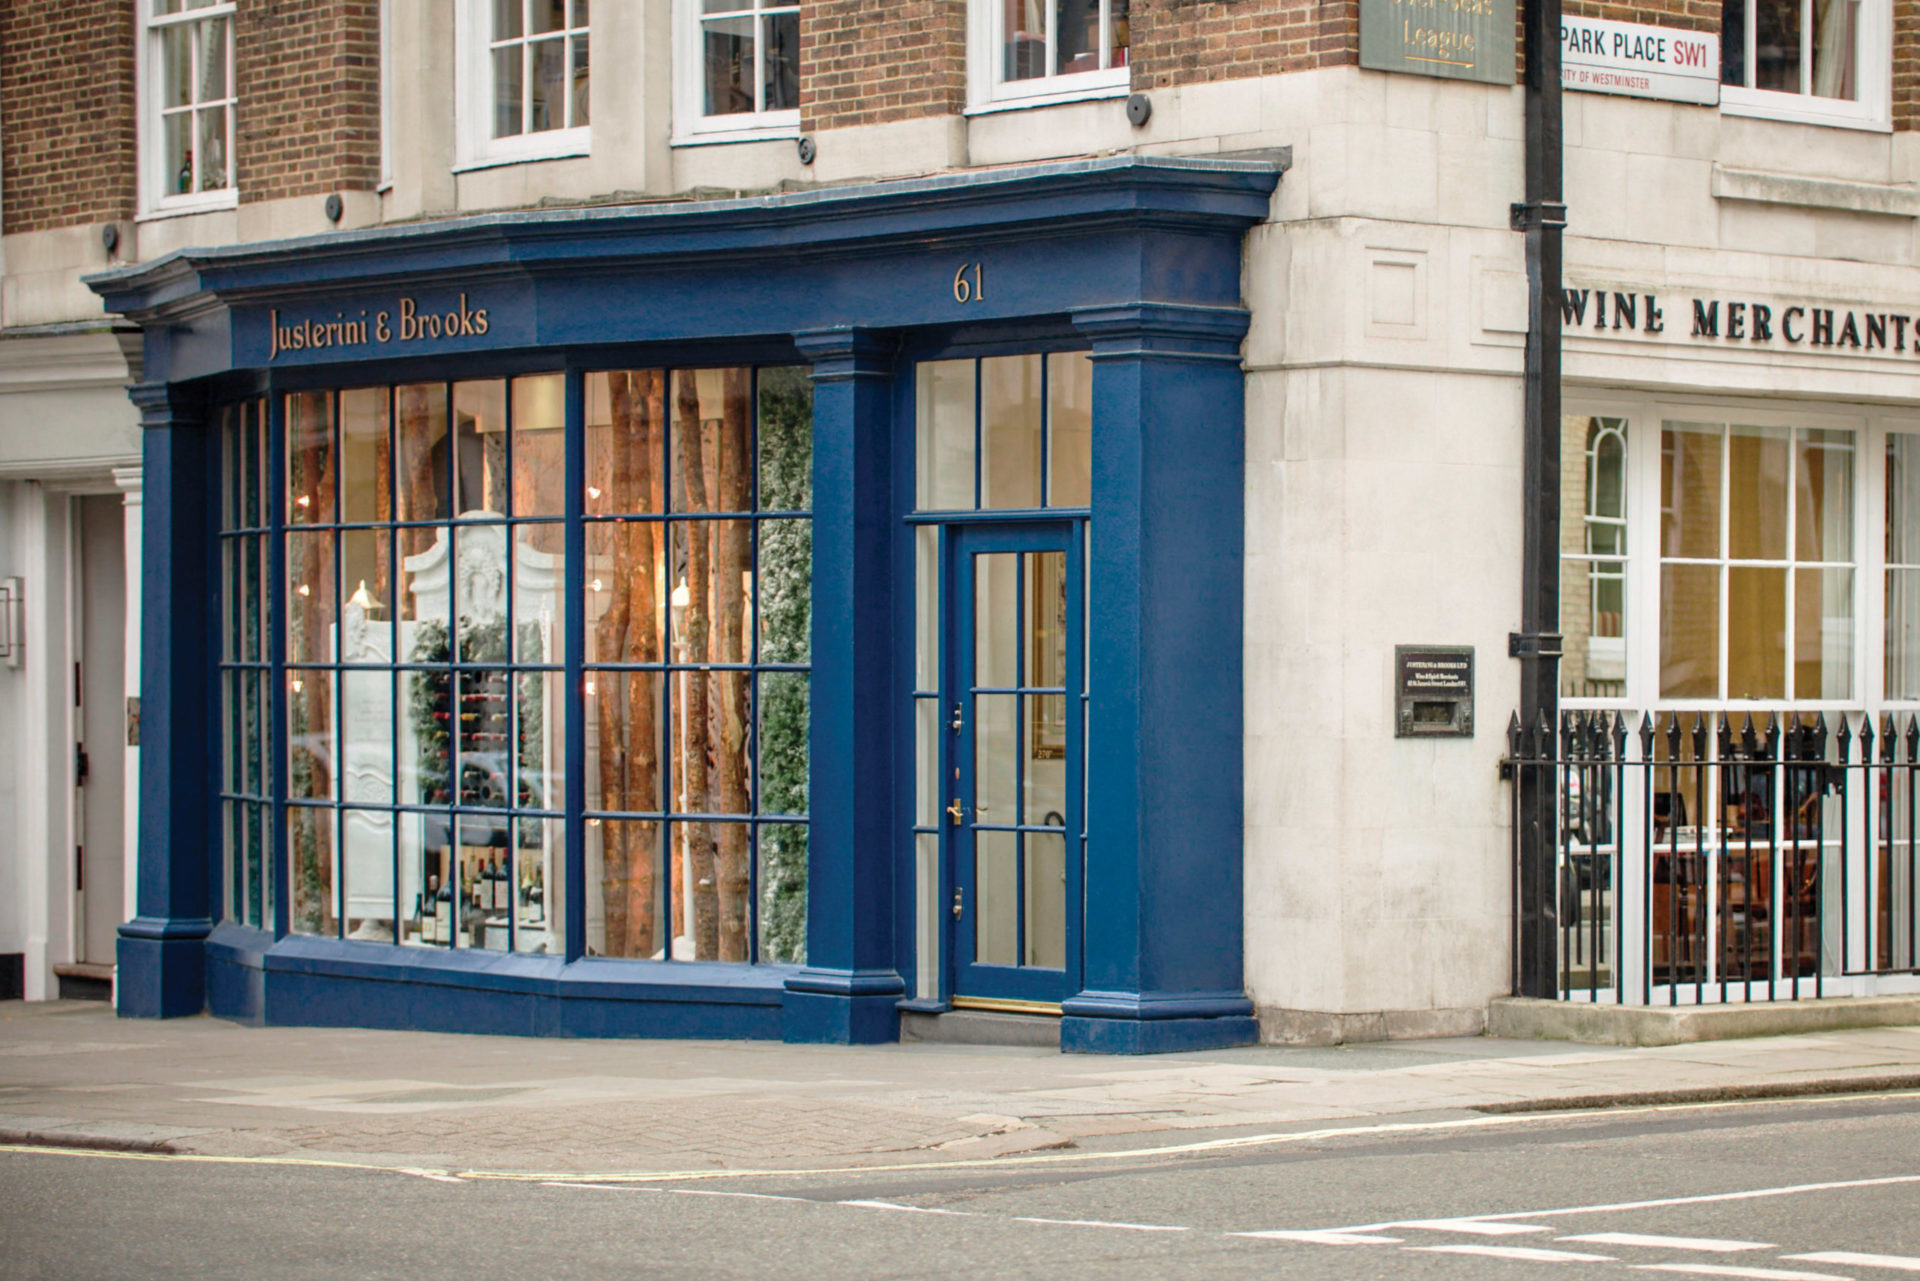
(956, 811)
(959, 897)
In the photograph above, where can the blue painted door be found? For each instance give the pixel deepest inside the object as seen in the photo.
(1015, 713)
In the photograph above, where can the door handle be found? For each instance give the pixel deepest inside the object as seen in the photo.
(957, 811)
(959, 898)
(958, 719)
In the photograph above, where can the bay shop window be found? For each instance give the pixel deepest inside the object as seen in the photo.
(397, 681)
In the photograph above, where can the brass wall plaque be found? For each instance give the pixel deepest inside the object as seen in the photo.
(1454, 39)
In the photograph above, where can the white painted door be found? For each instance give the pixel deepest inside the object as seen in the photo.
(98, 768)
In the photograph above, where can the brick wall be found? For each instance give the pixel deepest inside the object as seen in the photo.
(863, 63)
(1178, 42)
(1906, 64)
(67, 108)
(309, 79)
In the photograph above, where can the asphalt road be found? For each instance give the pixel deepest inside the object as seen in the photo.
(1782, 1190)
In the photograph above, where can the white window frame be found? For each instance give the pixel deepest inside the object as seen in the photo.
(155, 199)
(988, 90)
(691, 123)
(475, 146)
(1645, 419)
(1874, 62)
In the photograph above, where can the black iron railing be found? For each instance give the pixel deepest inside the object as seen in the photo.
(1708, 858)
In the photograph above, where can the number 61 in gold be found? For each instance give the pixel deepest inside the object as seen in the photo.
(965, 290)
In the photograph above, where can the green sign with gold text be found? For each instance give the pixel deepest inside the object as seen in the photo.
(1456, 39)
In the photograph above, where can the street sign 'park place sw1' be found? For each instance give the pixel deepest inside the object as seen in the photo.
(1646, 62)
(1456, 39)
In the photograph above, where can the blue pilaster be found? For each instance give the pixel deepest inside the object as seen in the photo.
(1163, 968)
(162, 951)
(846, 992)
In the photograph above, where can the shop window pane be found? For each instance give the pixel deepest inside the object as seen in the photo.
(536, 890)
(996, 922)
(1690, 490)
(626, 439)
(366, 838)
(366, 736)
(480, 592)
(713, 615)
(480, 453)
(1823, 496)
(712, 441)
(627, 900)
(539, 446)
(1759, 460)
(1043, 736)
(1756, 633)
(944, 460)
(310, 460)
(1026, 41)
(259, 869)
(539, 594)
(310, 847)
(783, 893)
(1045, 902)
(1011, 414)
(426, 760)
(715, 862)
(540, 773)
(1903, 634)
(255, 693)
(626, 592)
(1689, 631)
(310, 759)
(1823, 633)
(1070, 428)
(425, 459)
(929, 719)
(425, 862)
(483, 890)
(786, 439)
(484, 718)
(785, 601)
(310, 597)
(366, 492)
(366, 629)
(784, 722)
(625, 714)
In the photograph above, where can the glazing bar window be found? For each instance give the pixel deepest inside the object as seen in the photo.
(246, 668)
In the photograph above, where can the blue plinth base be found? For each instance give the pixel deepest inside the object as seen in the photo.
(1155, 1036)
(842, 1007)
(162, 969)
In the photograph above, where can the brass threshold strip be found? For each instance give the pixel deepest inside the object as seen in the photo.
(1005, 1006)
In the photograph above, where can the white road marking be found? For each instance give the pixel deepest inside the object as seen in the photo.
(1727, 1270)
(1327, 1237)
(1897, 1262)
(911, 1209)
(1102, 1223)
(615, 1187)
(1710, 1244)
(435, 1175)
(1478, 1227)
(1611, 1207)
(1527, 1254)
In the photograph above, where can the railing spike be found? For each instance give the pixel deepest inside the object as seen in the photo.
(1699, 737)
(1843, 736)
(1617, 737)
(1913, 739)
(1646, 736)
(1866, 739)
(1513, 736)
(1773, 734)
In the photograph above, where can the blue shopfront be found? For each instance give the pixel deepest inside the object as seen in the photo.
(743, 618)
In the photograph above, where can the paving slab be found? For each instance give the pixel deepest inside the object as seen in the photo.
(442, 1101)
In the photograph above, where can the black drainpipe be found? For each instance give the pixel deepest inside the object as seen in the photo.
(1542, 216)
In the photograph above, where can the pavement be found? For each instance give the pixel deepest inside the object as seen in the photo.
(72, 1074)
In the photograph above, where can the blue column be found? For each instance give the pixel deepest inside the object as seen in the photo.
(162, 949)
(1163, 966)
(847, 992)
